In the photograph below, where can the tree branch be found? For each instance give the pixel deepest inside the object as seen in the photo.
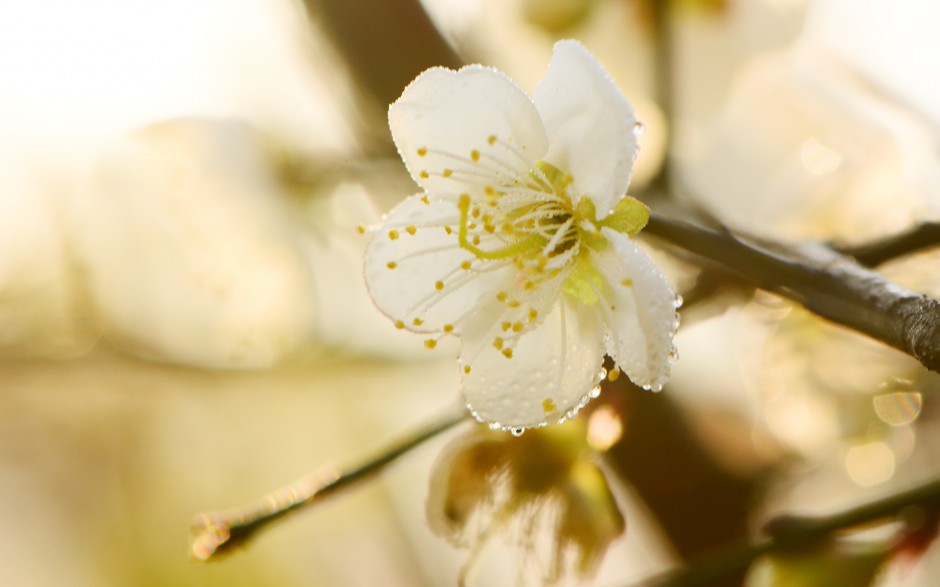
(825, 282)
(788, 532)
(873, 254)
(216, 533)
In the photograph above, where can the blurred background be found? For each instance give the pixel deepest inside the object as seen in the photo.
(184, 327)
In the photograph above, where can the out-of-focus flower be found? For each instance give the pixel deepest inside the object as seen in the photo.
(544, 495)
(520, 242)
(813, 145)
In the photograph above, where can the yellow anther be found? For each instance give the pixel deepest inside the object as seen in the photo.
(517, 327)
(475, 213)
(528, 284)
(476, 240)
(463, 203)
(417, 321)
(448, 230)
(430, 343)
(548, 406)
(438, 285)
(391, 264)
(497, 343)
(399, 324)
(448, 172)
(411, 229)
(361, 229)
(533, 314)
(614, 374)
(475, 155)
(627, 283)
(489, 191)
(471, 226)
(424, 174)
(466, 265)
(513, 303)
(425, 200)
(506, 326)
(490, 140)
(501, 296)
(448, 328)
(489, 228)
(466, 369)
(393, 234)
(507, 353)
(422, 152)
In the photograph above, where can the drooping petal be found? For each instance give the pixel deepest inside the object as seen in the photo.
(590, 125)
(459, 131)
(639, 309)
(416, 272)
(552, 369)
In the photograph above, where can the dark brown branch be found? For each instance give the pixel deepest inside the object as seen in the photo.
(827, 283)
(873, 254)
(217, 533)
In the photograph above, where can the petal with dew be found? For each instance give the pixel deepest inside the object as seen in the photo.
(460, 131)
(590, 125)
(638, 307)
(552, 369)
(417, 273)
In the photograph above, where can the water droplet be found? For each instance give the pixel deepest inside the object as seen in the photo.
(595, 393)
(639, 129)
(673, 355)
(601, 374)
(517, 432)
(646, 387)
(678, 301)
(495, 426)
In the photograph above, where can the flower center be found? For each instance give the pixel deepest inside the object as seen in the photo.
(530, 229)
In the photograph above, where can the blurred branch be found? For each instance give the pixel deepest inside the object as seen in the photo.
(384, 44)
(873, 254)
(825, 282)
(215, 533)
(789, 532)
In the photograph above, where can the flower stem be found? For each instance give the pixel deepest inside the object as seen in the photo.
(215, 533)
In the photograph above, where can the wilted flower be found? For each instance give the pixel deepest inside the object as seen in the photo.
(520, 243)
(544, 496)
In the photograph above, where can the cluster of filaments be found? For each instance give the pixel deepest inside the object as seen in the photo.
(519, 214)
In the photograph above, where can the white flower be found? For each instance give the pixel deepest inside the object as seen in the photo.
(520, 243)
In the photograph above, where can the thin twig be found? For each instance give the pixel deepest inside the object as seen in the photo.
(873, 254)
(787, 532)
(825, 282)
(216, 533)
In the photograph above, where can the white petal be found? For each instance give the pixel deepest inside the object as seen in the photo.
(590, 125)
(552, 370)
(639, 310)
(408, 289)
(446, 121)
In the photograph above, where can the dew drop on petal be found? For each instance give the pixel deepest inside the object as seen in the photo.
(673, 355)
(595, 392)
(639, 129)
(517, 432)
(495, 426)
(678, 301)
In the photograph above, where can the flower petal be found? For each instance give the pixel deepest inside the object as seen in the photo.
(551, 373)
(459, 131)
(639, 309)
(416, 272)
(590, 125)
